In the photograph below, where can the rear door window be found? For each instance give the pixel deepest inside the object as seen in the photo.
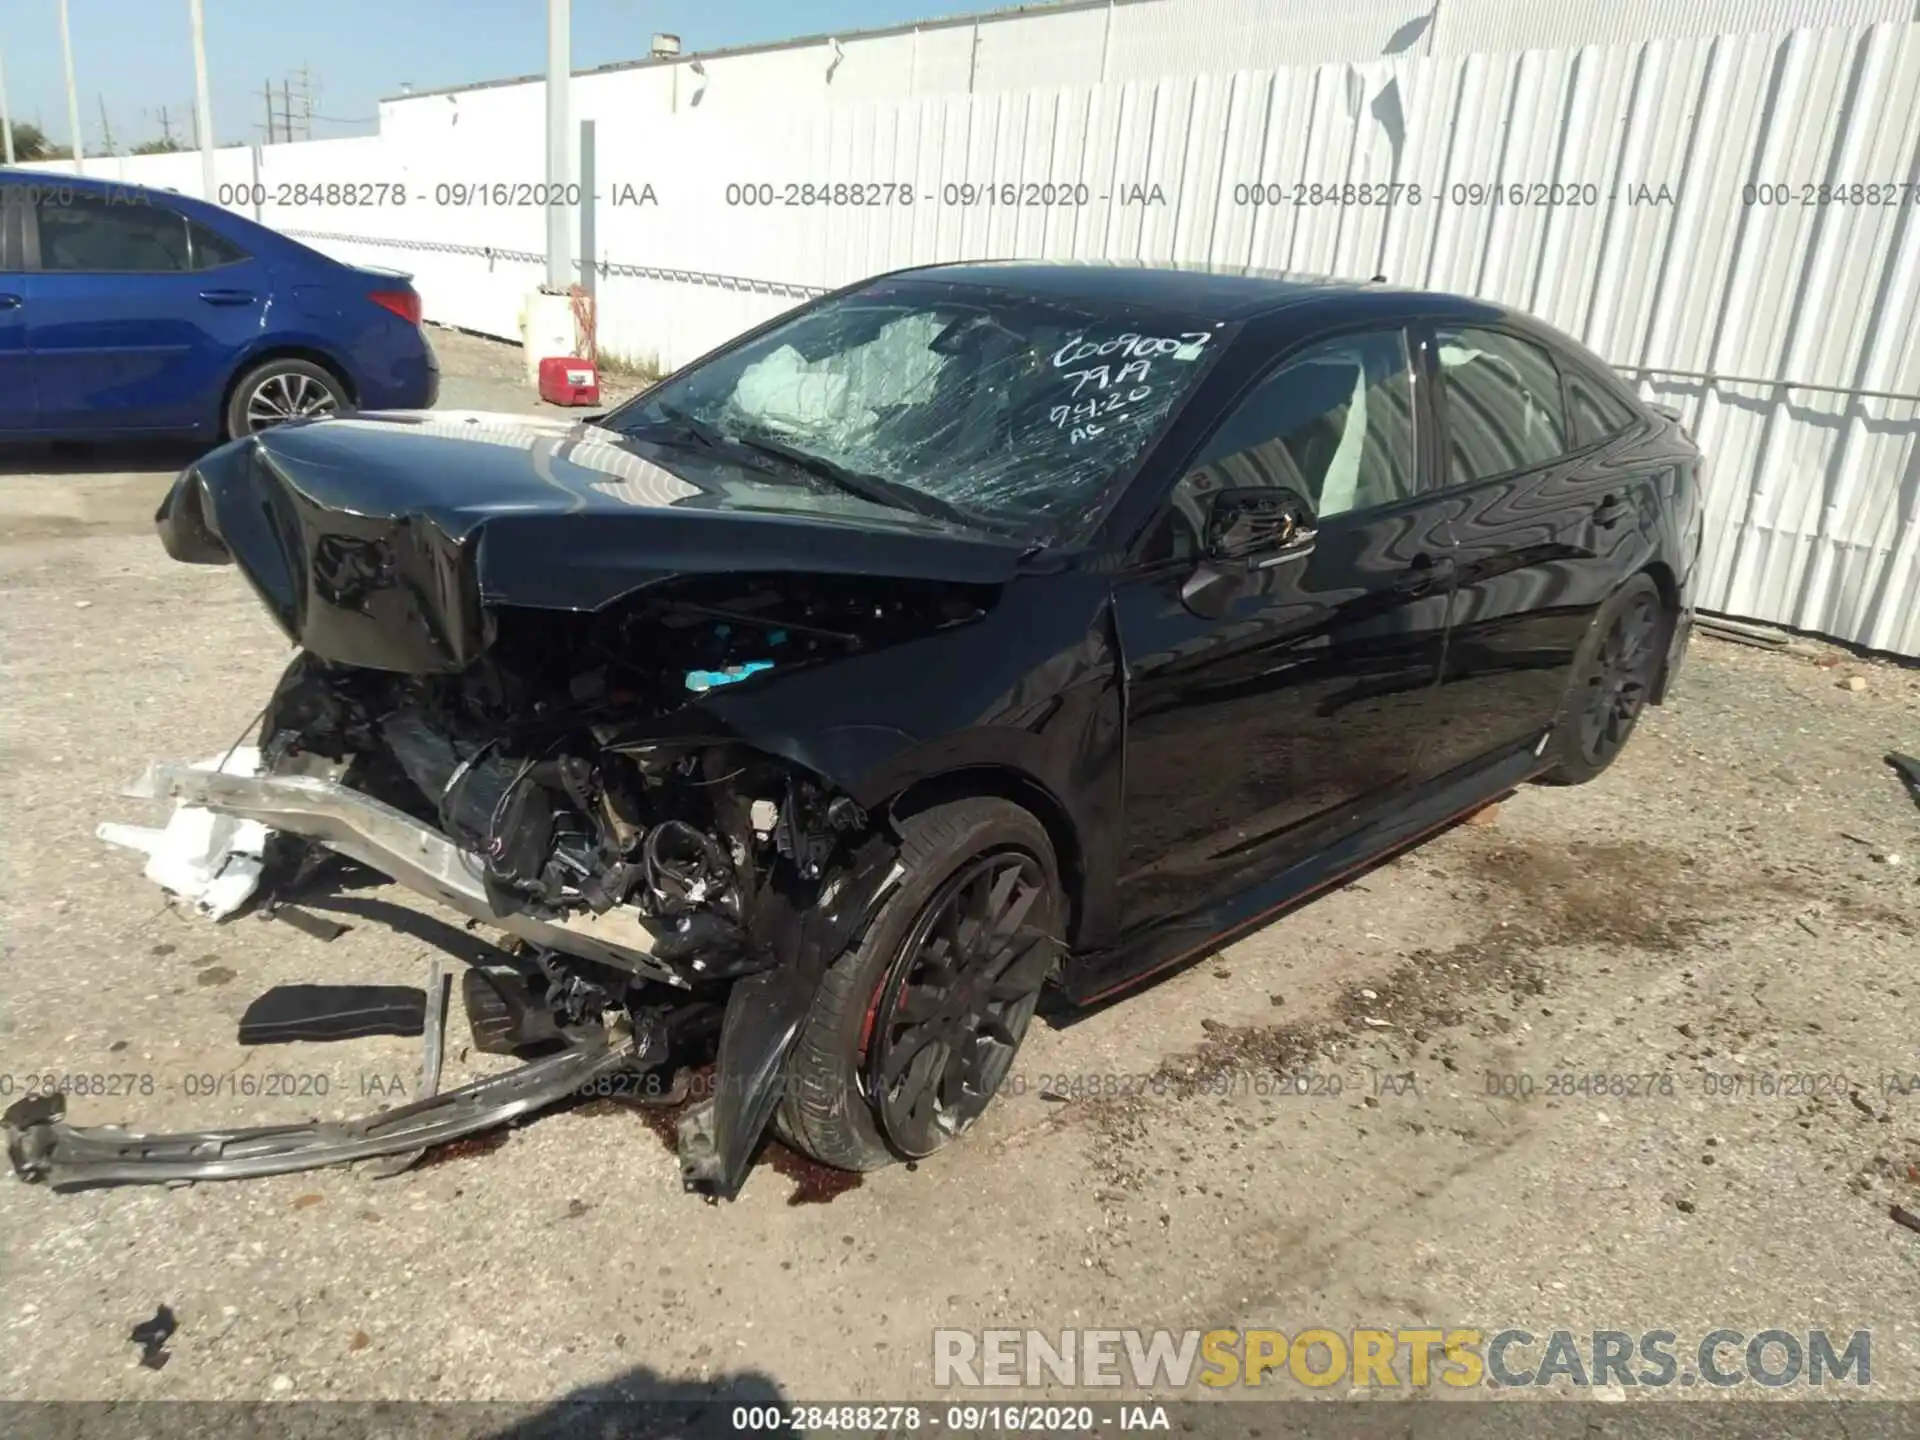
(1503, 404)
(211, 249)
(1596, 412)
(15, 213)
(117, 235)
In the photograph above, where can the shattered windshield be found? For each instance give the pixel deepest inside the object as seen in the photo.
(953, 401)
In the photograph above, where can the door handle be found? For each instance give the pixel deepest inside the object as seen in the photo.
(1610, 512)
(227, 297)
(1428, 572)
(9, 302)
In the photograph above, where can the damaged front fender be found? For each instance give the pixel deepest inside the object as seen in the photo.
(766, 1013)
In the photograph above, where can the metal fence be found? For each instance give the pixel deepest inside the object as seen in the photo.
(1734, 221)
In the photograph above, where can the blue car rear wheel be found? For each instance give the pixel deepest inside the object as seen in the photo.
(276, 391)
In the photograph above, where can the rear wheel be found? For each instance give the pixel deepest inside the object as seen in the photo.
(915, 1027)
(1613, 676)
(277, 391)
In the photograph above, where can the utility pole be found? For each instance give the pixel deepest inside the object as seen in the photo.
(6, 120)
(559, 88)
(589, 231)
(306, 101)
(166, 128)
(202, 105)
(286, 110)
(269, 112)
(106, 127)
(73, 95)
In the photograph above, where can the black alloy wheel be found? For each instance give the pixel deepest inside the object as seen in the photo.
(916, 1023)
(1613, 680)
(952, 1011)
(1620, 677)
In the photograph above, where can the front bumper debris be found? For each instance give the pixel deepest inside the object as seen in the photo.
(397, 845)
(43, 1146)
(214, 861)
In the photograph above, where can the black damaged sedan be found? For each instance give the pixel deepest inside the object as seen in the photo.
(972, 630)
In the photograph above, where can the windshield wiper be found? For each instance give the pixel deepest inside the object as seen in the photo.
(877, 488)
(705, 434)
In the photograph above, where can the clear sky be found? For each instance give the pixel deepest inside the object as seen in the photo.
(137, 55)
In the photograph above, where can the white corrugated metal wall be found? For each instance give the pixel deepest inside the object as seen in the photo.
(1085, 42)
(1461, 28)
(1655, 250)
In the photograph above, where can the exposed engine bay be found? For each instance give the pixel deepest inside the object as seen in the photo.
(549, 759)
(556, 765)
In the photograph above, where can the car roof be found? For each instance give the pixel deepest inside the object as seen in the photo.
(1212, 291)
(79, 184)
(93, 185)
(262, 239)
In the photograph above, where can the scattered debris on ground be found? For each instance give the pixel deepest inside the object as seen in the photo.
(1908, 769)
(214, 862)
(152, 1337)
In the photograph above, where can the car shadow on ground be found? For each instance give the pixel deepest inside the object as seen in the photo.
(459, 944)
(336, 886)
(644, 1403)
(105, 457)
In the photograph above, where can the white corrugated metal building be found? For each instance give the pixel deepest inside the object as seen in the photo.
(1787, 330)
(1087, 42)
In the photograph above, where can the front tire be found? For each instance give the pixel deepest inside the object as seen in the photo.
(1613, 676)
(916, 1026)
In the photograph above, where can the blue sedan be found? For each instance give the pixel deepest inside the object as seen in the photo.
(126, 311)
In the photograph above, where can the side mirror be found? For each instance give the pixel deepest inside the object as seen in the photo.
(1262, 522)
(1248, 529)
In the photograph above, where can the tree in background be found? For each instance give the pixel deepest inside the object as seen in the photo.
(163, 146)
(31, 143)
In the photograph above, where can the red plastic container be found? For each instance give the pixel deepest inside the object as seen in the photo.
(567, 380)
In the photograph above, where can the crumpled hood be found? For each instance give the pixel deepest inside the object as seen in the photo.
(384, 541)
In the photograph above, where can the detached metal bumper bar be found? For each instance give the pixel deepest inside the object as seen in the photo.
(398, 845)
(42, 1146)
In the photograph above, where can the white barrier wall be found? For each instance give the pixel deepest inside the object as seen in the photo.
(1733, 220)
(1090, 42)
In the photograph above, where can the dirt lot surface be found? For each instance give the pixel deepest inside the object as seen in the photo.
(1725, 925)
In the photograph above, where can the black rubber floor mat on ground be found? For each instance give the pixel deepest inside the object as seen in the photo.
(333, 1012)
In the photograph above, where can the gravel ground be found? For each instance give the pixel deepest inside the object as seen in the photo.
(1721, 912)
